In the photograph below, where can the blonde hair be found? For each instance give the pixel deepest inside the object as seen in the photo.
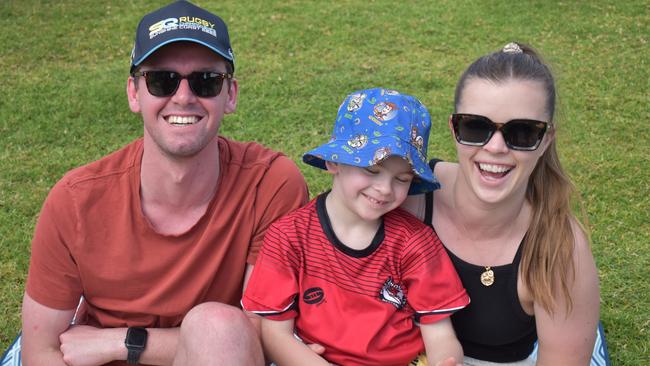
(547, 256)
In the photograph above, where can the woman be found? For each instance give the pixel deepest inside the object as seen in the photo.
(504, 216)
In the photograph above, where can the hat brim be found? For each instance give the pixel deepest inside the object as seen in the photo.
(340, 151)
(219, 52)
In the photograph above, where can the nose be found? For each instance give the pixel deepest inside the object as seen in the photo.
(184, 94)
(497, 144)
(384, 185)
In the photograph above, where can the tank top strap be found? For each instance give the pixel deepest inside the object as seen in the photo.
(428, 208)
(428, 198)
(517, 258)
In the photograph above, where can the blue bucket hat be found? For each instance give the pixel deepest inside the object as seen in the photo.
(374, 124)
(181, 21)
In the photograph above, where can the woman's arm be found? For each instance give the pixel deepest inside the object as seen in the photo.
(283, 348)
(567, 338)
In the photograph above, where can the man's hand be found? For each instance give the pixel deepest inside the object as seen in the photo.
(83, 345)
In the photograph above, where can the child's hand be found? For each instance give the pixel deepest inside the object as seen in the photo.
(319, 350)
(448, 362)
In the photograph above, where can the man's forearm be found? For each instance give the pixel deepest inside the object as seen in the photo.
(48, 356)
(87, 345)
(41, 329)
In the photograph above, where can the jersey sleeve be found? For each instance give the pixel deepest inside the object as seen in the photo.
(273, 288)
(53, 278)
(282, 190)
(434, 288)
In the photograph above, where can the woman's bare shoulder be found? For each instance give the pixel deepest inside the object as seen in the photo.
(445, 172)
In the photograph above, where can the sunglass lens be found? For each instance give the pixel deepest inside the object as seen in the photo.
(474, 130)
(162, 83)
(205, 84)
(523, 134)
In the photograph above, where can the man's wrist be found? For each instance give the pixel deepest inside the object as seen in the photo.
(119, 349)
(135, 344)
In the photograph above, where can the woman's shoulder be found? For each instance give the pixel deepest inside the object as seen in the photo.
(583, 259)
(444, 171)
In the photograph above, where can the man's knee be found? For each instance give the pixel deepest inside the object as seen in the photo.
(216, 319)
(214, 331)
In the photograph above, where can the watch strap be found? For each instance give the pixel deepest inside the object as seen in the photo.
(133, 356)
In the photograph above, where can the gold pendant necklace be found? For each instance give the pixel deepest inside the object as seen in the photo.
(487, 277)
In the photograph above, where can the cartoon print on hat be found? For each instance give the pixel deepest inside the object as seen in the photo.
(385, 111)
(417, 140)
(358, 141)
(372, 125)
(356, 100)
(380, 154)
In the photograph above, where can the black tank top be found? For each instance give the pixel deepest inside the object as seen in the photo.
(494, 326)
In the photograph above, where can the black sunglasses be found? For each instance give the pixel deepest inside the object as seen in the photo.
(204, 84)
(519, 134)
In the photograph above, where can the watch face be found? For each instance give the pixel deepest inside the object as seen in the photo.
(136, 337)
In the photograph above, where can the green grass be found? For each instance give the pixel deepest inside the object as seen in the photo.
(63, 104)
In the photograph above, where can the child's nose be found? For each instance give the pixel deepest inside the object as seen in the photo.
(383, 185)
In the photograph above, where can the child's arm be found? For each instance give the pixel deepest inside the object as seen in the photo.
(283, 348)
(441, 343)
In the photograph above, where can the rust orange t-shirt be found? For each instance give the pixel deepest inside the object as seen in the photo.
(92, 238)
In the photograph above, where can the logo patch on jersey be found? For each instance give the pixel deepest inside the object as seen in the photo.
(392, 293)
(314, 295)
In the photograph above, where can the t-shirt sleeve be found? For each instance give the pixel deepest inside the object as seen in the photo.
(53, 278)
(434, 288)
(282, 190)
(273, 288)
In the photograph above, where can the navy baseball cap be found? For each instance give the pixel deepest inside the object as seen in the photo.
(180, 21)
(374, 124)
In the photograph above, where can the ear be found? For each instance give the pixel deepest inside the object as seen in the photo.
(233, 91)
(451, 128)
(332, 167)
(132, 95)
(548, 138)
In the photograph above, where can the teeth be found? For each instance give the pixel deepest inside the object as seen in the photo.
(493, 168)
(377, 202)
(182, 120)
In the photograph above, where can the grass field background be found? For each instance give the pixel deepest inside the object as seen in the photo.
(62, 104)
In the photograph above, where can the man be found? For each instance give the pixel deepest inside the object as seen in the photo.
(160, 236)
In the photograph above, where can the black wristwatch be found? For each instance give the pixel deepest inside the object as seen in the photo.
(135, 342)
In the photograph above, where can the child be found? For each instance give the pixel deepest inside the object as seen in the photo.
(350, 270)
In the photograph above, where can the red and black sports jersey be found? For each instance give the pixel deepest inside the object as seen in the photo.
(361, 305)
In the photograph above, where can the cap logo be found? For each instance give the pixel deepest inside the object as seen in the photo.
(171, 24)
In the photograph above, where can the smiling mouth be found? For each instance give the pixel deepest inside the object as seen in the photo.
(494, 170)
(182, 120)
(374, 201)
